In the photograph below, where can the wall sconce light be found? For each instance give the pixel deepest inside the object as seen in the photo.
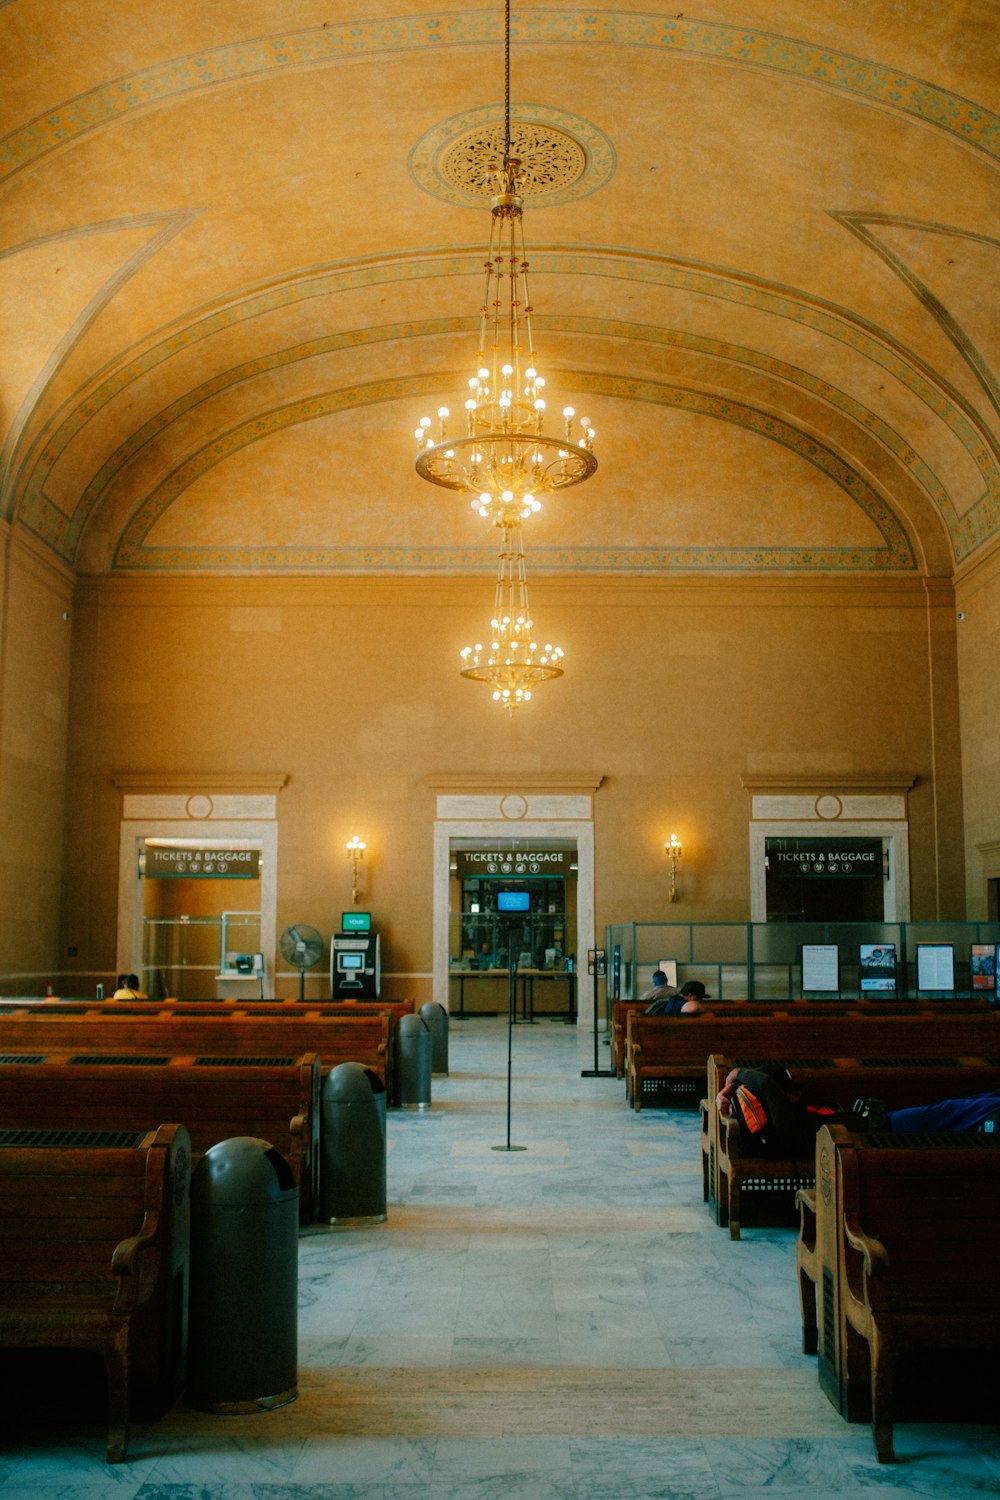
(673, 849)
(355, 853)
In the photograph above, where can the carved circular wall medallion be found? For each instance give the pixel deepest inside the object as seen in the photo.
(828, 807)
(562, 156)
(513, 807)
(199, 806)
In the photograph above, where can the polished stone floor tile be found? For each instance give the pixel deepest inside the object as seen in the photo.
(564, 1322)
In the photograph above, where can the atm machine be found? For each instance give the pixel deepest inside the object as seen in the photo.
(355, 961)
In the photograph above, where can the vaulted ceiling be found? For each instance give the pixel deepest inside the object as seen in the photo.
(238, 261)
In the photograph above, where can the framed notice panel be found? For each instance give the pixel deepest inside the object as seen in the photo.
(983, 968)
(936, 967)
(820, 968)
(877, 968)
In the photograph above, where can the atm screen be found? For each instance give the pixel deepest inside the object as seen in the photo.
(350, 961)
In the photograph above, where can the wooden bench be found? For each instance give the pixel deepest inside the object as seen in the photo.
(910, 1220)
(94, 1233)
(206, 1029)
(736, 1008)
(737, 1179)
(276, 1099)
(666, 1057)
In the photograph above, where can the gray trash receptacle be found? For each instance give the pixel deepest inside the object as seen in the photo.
(352, 1155)
(243, 1307)
(435, 1018)
(413, 1063)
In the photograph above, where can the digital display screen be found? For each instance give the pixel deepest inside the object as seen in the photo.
(350, 961)
(513, 901)
(356, 921)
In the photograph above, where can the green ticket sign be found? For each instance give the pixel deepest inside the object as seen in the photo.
(824, 858)
(202, 864)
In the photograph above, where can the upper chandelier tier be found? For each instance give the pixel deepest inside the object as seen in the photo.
(505, 460)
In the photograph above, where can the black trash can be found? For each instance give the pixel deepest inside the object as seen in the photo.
(413, 1063)
(352, 1156)
(435, 1018)
(243, 1309)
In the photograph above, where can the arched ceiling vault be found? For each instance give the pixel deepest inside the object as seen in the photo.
(237, 263)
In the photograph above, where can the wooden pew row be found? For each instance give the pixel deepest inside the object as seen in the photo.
(621, 1009)
(94, 1236)
(771, 1183)
(276, 1099)
(206, 1030)
(666, 1057)
(896, 1238)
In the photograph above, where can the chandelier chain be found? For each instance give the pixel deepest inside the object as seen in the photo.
(507, 455)
(506, 87)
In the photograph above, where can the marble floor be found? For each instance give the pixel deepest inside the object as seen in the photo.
(562, 1322)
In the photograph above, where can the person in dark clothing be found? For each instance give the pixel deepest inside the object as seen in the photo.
(668, 1002)
(773, 1122)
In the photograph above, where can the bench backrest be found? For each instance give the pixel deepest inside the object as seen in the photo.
(273, 1098)
(676, 1040)
(932, 1202)
(69, 1197)
(336, 1038)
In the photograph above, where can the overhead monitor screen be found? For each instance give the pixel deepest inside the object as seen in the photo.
(508, 901)
(356, 921)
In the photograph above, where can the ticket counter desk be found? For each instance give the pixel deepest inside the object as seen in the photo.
(483, 992)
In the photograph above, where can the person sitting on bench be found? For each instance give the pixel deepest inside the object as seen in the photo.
(774, 1122)
(128, 988)
(670, 1002)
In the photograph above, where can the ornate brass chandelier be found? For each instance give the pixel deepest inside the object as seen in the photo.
(513, 662)
(504, 460)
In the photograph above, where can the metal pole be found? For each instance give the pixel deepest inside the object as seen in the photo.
(511, 1004)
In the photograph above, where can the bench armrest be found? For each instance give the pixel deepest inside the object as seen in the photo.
(805, 1202)
(871, 1260)
(729, 1137)
(128, 1264)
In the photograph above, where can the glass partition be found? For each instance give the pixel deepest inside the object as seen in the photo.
(184, 957)
(763, 960)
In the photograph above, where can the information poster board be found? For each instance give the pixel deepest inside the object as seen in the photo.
(936, 967)
(983, 967)
(820, 967)
(877, 968)
(669, 967)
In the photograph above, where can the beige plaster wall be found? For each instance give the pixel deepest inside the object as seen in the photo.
(35, 596)
(978, 600)
(673, 690)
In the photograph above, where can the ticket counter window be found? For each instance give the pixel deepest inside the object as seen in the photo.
(201, 926)
(825, 880)
(497, 914)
